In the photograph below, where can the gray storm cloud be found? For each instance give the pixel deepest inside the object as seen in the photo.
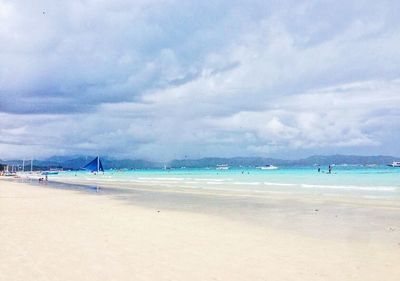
(165, 79)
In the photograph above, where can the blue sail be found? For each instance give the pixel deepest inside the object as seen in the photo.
(94, 165)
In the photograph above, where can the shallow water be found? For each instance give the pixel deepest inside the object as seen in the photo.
(373, 182)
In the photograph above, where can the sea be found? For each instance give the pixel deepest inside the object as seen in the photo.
(344, 180)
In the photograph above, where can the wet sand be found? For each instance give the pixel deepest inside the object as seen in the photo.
(137, 233)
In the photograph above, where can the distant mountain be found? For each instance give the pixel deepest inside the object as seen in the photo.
(345, 159)
(130, 164)
(234, 162)
(77, 162)
(309, 161)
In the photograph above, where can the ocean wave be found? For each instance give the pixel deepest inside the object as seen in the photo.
(246, 183)
(352, 187)
(161, 178)
(217, 180)
(279, 184)
(145, 181)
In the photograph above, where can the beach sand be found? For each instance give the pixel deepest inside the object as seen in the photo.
(57, 234)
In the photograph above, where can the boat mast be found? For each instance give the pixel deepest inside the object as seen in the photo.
(23, 165)
(98, 163)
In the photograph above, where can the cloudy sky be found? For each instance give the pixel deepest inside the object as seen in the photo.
(174, 79)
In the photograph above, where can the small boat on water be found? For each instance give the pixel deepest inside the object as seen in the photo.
(395, 164)
(222, 167)
(267, 167)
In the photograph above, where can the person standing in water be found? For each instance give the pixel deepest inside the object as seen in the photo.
(329, 169)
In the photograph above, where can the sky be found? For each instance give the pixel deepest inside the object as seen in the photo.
(165, 80)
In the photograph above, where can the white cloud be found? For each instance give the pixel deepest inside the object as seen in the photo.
(165, 79)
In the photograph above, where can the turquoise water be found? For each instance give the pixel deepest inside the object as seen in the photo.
(379, 181)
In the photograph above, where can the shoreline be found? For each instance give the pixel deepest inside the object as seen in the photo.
(267, 209)
(155, 235)
(273, 193)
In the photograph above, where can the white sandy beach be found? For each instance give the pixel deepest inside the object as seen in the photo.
(55, 234)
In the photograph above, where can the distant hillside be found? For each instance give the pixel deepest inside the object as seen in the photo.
(309, 161)
(78, 162)
(75, 163)
(346, 159)
(234, 162)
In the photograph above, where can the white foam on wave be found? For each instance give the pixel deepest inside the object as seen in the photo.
(216, 180)
(145, 181)
(279, 184)
(352, 187)
(173, 179)
(246, 183)
(161, 179)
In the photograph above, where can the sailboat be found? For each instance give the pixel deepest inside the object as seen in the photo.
(95, 165)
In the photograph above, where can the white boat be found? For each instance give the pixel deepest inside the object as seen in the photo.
(222, 167)
(395, 164)
(267, 167)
